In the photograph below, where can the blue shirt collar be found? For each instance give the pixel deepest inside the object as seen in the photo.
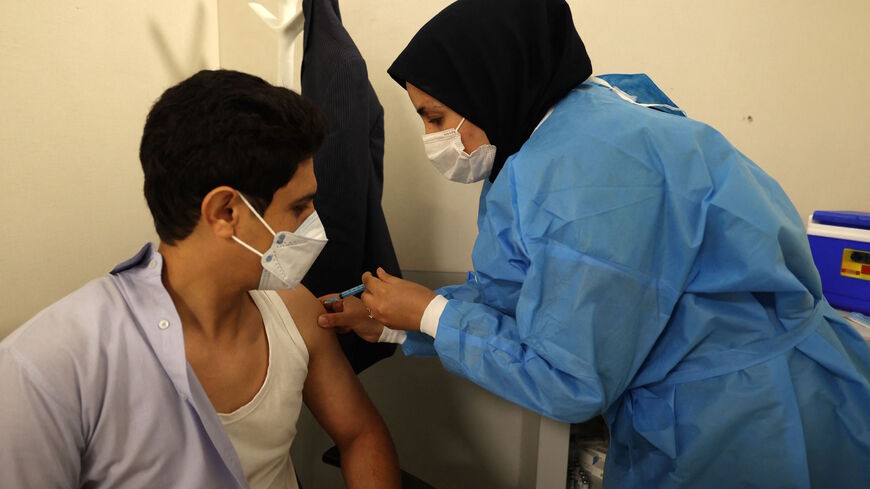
(139, 279)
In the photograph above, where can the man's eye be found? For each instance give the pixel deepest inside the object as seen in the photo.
(299, 209)
(436, 122)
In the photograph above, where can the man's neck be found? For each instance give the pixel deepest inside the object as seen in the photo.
(225, 340)
(206, 301)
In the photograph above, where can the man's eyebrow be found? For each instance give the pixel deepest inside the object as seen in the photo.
(305, 198)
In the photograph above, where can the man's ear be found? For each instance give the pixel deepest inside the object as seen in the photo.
(220, 211)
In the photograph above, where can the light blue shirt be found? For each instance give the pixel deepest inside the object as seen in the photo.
(97, 392)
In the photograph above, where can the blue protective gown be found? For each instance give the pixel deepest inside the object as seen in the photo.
(633, 263)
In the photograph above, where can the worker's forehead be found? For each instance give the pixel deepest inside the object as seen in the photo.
(423, 101)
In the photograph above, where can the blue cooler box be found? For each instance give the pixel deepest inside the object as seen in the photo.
(840, 242)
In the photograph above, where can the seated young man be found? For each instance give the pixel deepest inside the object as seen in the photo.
(168, 372)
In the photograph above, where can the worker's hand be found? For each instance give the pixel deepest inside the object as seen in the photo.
(396, 303)
(349, 314)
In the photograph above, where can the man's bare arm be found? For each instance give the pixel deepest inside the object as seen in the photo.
(339, 403)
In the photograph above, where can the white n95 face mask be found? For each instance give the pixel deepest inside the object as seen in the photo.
(446, 152)
(291, 254)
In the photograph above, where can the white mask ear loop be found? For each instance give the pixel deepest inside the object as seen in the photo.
(256, 214)
(460, 124)
(246, 245)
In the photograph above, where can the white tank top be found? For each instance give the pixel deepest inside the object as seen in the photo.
(263, 429)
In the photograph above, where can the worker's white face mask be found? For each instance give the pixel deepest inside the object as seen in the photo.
(446, 152)
(291, 254)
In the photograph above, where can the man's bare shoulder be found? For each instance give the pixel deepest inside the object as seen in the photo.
(305, 309)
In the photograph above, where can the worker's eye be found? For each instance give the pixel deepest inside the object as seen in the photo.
(436, 121)
(299, 209)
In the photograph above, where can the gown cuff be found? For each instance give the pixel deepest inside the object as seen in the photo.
(432, 315)
(392, 336)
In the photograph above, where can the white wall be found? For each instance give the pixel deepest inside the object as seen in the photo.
(78, 78)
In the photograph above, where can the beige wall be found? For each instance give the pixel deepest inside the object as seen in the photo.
(785, 81)
(78, 78)
(246, 43)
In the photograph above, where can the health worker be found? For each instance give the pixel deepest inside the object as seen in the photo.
(630, 263)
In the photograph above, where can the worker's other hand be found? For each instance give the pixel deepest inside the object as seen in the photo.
(349, 314)
(396, 303)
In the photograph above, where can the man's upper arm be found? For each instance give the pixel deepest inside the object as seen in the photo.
(42, 437)
(332, 391)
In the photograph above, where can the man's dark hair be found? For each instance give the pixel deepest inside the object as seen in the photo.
(222, 128)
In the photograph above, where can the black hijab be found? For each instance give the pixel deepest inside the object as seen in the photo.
(500, 63)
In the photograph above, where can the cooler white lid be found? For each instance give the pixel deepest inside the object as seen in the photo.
(837, 232)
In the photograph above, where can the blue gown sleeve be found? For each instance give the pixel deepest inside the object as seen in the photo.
(419, 344)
